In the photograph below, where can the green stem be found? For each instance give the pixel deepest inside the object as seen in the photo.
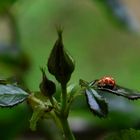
(57, 121)
(32, 99)
(64, 98)
(68, 135)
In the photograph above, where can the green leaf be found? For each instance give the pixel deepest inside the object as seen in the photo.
(11, 95)
(96, 103)
(130, 134)
(122, 91)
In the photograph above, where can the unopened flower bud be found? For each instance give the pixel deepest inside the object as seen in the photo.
(60, 63)
(47, 87)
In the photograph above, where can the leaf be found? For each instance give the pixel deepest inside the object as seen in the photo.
(122, 91)
(130, 134)
(11, 95)
(96, 103)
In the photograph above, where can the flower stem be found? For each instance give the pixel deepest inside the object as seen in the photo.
(68, 135)
(64, 99)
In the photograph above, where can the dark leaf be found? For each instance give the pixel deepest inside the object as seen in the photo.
(97, 104)
(121, 91)
(11, 95)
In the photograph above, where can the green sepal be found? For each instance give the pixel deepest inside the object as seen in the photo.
(38, 112)
(72, 92)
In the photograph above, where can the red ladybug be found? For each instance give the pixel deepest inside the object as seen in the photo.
(106, 82)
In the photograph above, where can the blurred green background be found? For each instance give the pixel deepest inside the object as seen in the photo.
(101, 44)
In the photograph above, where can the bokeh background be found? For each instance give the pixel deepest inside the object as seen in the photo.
(103, 36)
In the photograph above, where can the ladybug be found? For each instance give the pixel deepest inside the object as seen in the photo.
(106, 82)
